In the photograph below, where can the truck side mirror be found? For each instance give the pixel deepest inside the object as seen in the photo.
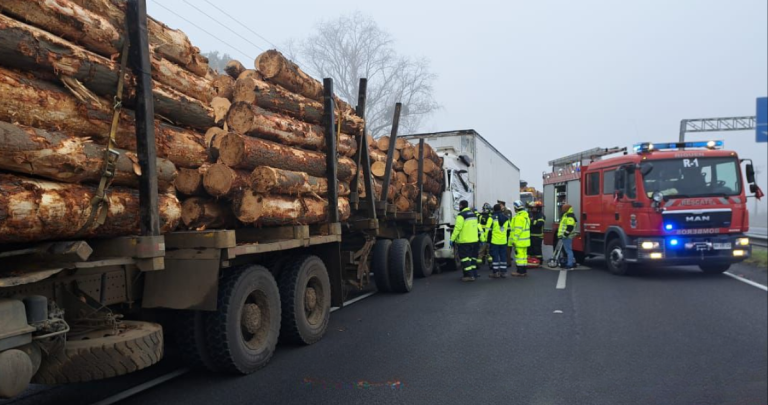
(750, 173)
(646, 168)
(753, 188)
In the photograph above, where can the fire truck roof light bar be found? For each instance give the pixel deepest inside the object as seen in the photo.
(650, 147)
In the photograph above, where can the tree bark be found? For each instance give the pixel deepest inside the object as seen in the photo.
(266, 180)
(40, 104)
(223, 182)
(277, 99)
(259, 209)
(28, 48)
(61, 157)
(245, 152)
(276, 68)
(190, 181)
(234, 68)
(38, 210)
(203, 213)
(171, 44)
(248, 119)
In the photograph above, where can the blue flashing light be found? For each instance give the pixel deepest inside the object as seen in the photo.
(674, 242)
(668, 227)
(648, 147)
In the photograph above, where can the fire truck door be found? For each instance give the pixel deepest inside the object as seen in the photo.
(592, 207)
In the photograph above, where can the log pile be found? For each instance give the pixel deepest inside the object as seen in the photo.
(242, 147)
(403, 190)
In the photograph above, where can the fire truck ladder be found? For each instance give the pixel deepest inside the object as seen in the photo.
(590, 154)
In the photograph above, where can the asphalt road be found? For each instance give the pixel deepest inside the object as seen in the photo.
(671, 336)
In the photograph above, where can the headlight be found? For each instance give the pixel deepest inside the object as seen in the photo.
(739, 253)
(648, 245)
(742, 242)
(658, 196)
(657, 255)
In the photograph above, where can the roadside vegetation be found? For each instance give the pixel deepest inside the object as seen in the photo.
(759, 258)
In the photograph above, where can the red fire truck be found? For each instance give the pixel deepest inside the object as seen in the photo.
(680, 203)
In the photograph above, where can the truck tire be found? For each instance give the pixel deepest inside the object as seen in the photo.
(714, 268)
(424, 255)
(305, 297)
(189, 334)
(380, 264)
(96, 356)
(614, 258)
(401, 266)
(242, 333)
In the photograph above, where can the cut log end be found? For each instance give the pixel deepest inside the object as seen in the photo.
(234, 68)
(231, 149)
(220, 107)
(269, 63)
(378, 169)
(189, 182)
(224, 86)
(240, 118)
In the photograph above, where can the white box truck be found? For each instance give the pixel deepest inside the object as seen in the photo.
(474, 171)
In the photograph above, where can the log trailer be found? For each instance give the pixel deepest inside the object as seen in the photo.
(82, 310)
(678, 203)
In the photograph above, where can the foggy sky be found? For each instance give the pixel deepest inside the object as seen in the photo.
(543, 79)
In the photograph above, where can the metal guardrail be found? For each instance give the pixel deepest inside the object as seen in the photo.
(758, 240)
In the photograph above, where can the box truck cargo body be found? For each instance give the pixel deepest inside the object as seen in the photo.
(475, 171)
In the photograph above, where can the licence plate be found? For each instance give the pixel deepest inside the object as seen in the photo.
(721, 246)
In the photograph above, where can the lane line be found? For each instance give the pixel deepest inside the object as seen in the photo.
(141, 387)
(561, 280)
(744, 280)
(354, 300)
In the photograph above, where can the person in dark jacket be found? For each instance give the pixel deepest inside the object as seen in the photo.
(537, 230)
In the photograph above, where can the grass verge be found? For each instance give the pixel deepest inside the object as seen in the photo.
(759, 258)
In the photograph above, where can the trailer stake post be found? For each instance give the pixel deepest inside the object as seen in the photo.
(391, 154)
(138, 59)
(330, 156)
(365, 155)
(421, 176)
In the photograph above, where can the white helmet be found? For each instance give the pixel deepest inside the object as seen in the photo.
(518, 205)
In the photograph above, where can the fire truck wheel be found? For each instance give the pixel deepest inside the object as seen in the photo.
(380, 264)
(242, 333)
(424, 255)
(401, 266)
(305, 295)
(714, 268)
(614, 258)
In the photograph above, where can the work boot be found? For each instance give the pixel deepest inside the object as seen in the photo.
(467, 278)
(502, 275)
(516, 274)
(523, 270)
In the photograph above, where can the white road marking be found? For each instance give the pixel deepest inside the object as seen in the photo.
(354, 300)
(561, 280)
(744, 280)
(558, 312)
(141, 387)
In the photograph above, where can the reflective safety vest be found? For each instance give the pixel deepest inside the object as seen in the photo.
(497, 229)
(484, 226)
(521, 230)
(567, 224)
(466, 228)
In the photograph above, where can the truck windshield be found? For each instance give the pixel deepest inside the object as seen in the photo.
(693, 177)
(526, 197)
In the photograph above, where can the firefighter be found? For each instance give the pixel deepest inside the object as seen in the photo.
(497, 237)
(507, 213)
(521, 238)
(485, 218)
(537, 230)
(465, 235)
(565, 233)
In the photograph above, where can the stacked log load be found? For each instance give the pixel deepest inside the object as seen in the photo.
(243, 147)
(403, 190)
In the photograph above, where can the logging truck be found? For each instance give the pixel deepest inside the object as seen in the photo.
(285, 213)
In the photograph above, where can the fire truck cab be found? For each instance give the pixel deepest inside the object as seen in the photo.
(680, 203)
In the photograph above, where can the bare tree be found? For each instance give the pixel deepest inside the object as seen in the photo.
(353, 46)
(216, 61)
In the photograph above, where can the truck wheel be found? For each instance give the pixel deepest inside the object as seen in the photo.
(305, 297)
(189, 334)
(401, 266)
(380, 264)
(96, 355)
(16, 370)
(241, 334)
(424, 252)
(614, 258)
(714, 268)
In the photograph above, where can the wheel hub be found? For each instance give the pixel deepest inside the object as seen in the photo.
(617, 256)
(310, 299)
(251, 319)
